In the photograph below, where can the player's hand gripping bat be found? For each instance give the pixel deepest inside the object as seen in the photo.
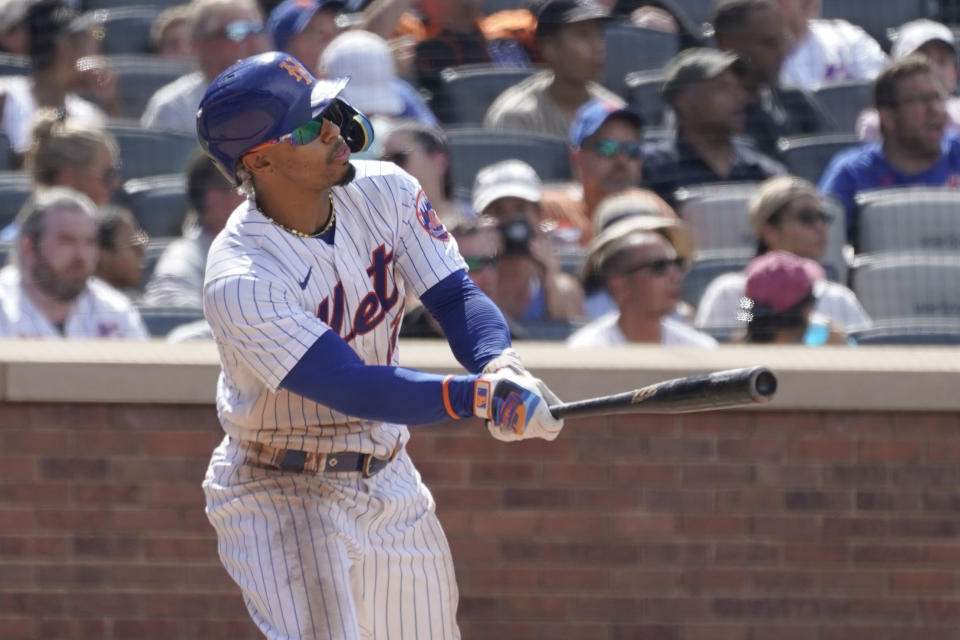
(705, 392)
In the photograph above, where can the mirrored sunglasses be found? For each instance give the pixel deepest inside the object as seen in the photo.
(608, 148)
(307, 133)
(478, 263)
(240, 30)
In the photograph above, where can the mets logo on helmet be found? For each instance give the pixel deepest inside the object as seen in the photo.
(429, 219)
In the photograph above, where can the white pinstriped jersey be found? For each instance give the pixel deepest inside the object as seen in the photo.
(269, 294)
(100, 311)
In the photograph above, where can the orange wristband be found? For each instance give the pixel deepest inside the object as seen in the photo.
(446, 398)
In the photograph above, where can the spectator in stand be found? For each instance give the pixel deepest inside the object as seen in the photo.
(50, 291)
(222, 32)
(170, 33)
(826, 51)
(911, 105)
(606, 158)
(786, 214)
(531, 286)
(422, 152)
(122, 243)
(779, 301)
(14, 35)
(177, 280)
(937, 42)
(641, 260)
(704, 91)
(753, 30)
(304, 28)
(57, 39)
(67, 152)
(570, 37)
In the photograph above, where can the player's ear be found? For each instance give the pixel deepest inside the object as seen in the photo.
(256, 162)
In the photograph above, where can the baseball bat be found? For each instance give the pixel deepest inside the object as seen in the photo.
(730, 388)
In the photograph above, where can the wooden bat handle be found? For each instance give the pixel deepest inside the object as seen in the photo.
(733, 387)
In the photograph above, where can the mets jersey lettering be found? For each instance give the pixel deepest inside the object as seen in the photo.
(372, 308)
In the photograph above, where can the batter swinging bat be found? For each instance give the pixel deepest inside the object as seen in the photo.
(705, 392)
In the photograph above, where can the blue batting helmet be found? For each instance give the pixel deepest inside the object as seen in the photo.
(265, 96)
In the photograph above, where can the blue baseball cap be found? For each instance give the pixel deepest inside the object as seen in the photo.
(265, 96)
(593, 114)
(290, 17)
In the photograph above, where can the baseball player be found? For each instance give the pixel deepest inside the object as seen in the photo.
(321, 517)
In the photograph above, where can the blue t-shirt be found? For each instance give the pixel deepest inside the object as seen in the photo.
(865, 167)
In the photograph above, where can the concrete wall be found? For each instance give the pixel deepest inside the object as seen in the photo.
(832, 513)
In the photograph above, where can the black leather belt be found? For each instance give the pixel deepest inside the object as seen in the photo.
(295, 460)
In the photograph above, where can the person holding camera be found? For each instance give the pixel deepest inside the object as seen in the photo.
(531, 285)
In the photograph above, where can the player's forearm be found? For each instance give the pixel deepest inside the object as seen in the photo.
(330, 373)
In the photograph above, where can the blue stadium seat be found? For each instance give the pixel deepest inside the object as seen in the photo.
(470, 89)
(472, 149)
(147, 152)
(945, 332)
(643, 94)
(807, 156)
(844, 101)
(706, 266)
(12, 64)
(161, 320)
(632, 48)
(909, 219)
(699, 11)
(159, 203)
(878, 18)
(140, 75)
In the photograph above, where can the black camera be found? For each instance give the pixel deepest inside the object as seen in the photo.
(516, 235)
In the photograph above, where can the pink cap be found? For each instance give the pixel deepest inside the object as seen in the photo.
(779, 280)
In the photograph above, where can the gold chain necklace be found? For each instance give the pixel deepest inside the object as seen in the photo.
(318, 232)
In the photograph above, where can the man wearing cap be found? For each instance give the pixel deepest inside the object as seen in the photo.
(606, 158)
(304, 28)
(786, 213)
(753, 30)
(937, 42)
(532, 287)
(709, 101)
(570, 38)
(222, 32)
(911, 106)
(641, 261)
(779, 299)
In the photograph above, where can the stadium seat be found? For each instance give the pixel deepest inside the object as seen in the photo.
(877, 18)
(472, 149)
(91, 5)
(5, 248)
(643, 94)
(15, 188)
(148, 152)
(159, 203)
(844, 101)
(632, 48)
(161, 320)
(12, 64)
(699, 11)
(140, 75)
(946, 332)
(807, 156)
(908, 285)
(470, 89)
(706, 266)
(6, 153)
(909, 219)
(151, 255)
(126, 29)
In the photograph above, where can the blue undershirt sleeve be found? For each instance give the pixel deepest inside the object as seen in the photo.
(474, 326)
(332, 374)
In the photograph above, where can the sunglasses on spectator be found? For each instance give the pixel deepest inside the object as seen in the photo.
(608, 148)
(810, 217)
(657, 267)
(307, 133)
(396, 157)
(239, 30)
(478, 263)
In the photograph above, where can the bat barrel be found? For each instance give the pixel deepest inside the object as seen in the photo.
(734, 387)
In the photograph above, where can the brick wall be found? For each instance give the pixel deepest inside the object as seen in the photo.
(726, 526)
